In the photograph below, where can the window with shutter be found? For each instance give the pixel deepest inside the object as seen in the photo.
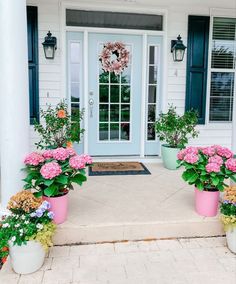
(223, 69)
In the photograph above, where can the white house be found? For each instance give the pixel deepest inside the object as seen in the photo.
(119, 111)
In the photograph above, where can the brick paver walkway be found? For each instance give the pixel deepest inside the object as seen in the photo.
(199, 260)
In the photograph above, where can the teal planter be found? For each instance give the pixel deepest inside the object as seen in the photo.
(169, 157)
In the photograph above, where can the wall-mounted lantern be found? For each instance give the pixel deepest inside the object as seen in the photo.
(178, 49)
(49, 45)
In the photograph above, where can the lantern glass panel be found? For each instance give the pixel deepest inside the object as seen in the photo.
(49, 51)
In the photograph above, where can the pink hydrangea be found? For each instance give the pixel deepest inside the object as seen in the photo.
(71, 151)
(231, 164)
(50, 170)
(216, 159)
(77, 162)
(88, 160)
(181, 154)
(48, 154)
(209, 151)
(191, 150)
(60, 154)
(213, 167)
(224, 152)
(191, 158)
(34, 159)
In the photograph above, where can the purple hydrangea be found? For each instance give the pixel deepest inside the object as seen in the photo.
(51, 214)
(45, 205)
(39, 213)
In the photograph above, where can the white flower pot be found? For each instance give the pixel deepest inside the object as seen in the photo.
(27, 258)
(231, 239)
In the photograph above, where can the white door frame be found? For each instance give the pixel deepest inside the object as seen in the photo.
(138, 8)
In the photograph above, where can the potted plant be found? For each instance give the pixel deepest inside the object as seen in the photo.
(207, 168)
(228, 216)
(59, 128)
(26, 233)
(175, 130)
(51, 174)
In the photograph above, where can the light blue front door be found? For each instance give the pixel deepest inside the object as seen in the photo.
(114, 106)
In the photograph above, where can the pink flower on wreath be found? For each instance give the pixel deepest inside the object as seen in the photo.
(213, 167)
(209, 151)
(88, 160)
(50, 170)
(48, 154)
(231, 164)
(60, 154)
(34, 159)
(216, 159)
(224, 152)
(191, 158)
(77, 162)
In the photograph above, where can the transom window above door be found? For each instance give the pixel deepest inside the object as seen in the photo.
(104, 19)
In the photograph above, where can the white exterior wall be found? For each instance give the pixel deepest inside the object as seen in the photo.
(50, 71)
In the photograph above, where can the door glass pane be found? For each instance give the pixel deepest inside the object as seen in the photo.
(125, 112)
(115, 93)
(125, 94)
(114, 78)
(151, 131)
(152, 74)
(75, 94)
(104, 93)
(153, 55)
(124, 131)
(152, 113)
(103, 131)
(114, 112)
(152, 94)
(74, 72)
(114, 131)
(74, 52)
(103, 113)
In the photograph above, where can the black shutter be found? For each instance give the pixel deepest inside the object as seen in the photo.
(197, 57)
(32, 31)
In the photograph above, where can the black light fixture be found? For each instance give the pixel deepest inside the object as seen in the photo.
(49, 45)
(178, 49)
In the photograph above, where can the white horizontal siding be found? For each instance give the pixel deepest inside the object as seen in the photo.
(50, 71)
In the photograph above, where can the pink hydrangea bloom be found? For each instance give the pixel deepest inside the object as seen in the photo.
(191, 158)
(48, 154)
(60, 154)
(88, 160)
(77, 162)
(224, 152)
(50, 170)
(191, 150)
(71, 151)
(34, 159)
(231, 164)
(216, 159)
(209, 151)
(213, 167)
(181, 154)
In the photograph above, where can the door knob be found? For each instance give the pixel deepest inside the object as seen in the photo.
(91, 102)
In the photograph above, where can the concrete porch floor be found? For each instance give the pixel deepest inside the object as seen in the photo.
(119, 208)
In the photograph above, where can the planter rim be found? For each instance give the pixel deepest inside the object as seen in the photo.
(205, 190)
(58, 196)
(168, 146)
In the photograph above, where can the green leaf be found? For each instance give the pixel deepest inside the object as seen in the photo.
(79, 179)
(199, 185)
(193, 178)
(48, 182)
(62, 179)
(38, 194)
(51, 190)
(233, 178)
(215, 180)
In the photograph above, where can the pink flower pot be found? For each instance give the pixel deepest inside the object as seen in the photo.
(59, 206)
(206, 202)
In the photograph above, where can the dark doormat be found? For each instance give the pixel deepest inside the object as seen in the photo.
(118, 168)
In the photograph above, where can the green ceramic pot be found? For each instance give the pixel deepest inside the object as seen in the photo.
(169, 157)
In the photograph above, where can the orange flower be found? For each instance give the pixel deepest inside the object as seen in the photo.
(69, 144)
(5, 249)
(4, 259)
(61, 113)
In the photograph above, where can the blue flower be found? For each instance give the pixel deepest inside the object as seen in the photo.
(46, 205)
(51, 214)
(39, 212)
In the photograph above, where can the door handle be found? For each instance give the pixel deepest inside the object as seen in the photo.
(91, 103)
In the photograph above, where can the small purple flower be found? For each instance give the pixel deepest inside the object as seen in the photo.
(46, 205)
(51, 214)
(226, 202)
(39, 213)
(33, 214)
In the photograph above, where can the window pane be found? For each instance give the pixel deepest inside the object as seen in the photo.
(103, 131)
(223, 54)
(152, 74)
(103, 76)
(75, 92)
(114, 112)
(114, 131)
(115, 93)
(74, 52)
(126, 75)
(103, 113)
(114, 78)
(151, 132)
(124, 131)
(125, 112)
(152, 94)
(152, 113)
(74, 111)
(222, 84)
(74, 72)
(153, 55)
(125, 94)
(221, 109)
(104, 93)
(224, 28)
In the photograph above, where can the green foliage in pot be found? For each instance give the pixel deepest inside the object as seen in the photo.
(29, 219)
(58, 128)
(175, 129)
